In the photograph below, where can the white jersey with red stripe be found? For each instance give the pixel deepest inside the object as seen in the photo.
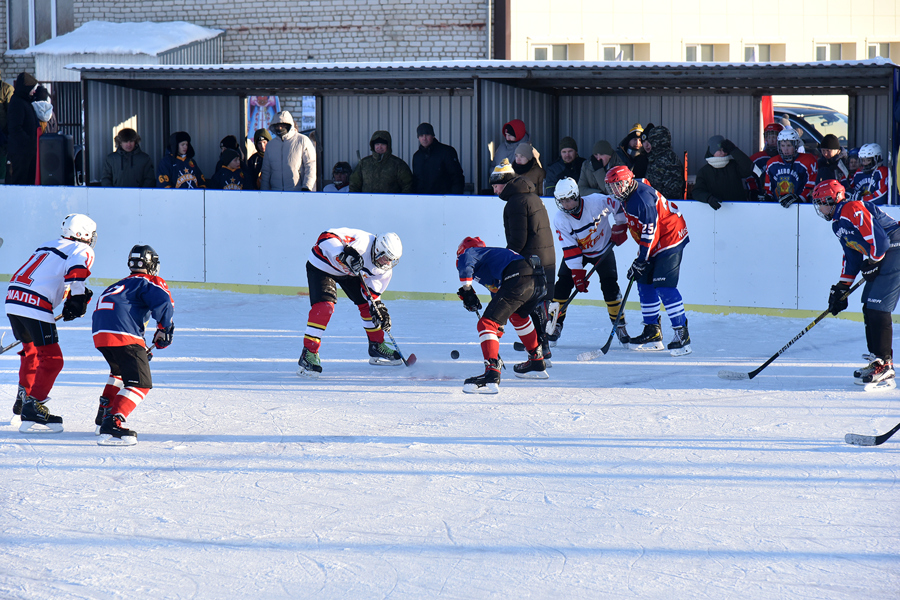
(40, 284)
(587, 234)
(332, 242)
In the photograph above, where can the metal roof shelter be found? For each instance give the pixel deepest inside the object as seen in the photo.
(468, 101)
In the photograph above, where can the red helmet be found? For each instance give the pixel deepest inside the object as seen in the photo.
(826, 195)
(469, 242)
(773, 128)
(620, 181)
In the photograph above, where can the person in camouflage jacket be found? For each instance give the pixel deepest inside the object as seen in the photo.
(664, 171)
(381, 172)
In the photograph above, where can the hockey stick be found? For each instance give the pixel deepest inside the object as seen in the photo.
(870, 440)
(736, 375)
(592, 354)
(17, 342)
(557, 310)
(406, 361)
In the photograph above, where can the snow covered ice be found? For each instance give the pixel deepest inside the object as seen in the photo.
(637, 475)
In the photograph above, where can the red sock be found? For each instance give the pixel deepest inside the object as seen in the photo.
(49, 364)
(319, 315)
(525, 329)
(127, 401)
(111, 390)
(489, 335)
(375, 334)
(27, 366)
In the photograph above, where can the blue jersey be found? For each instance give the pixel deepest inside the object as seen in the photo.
(124, 309)
(871, 186)
(865, 231)
(485, 265)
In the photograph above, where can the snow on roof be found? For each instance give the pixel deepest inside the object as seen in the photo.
(103, 37)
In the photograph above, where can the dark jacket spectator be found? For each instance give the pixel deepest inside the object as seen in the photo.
(177, 168)
(381, 172)
(630, 148)
(527, 165)
(511, 135)
(230, 175)
(6, 94)
(831, 165)
(128, 166)
(567, 165)
(593, 170)
(436, 168)
(722, 178)
(664, 171)
(22, 123)
(526, 222)
(254, 165)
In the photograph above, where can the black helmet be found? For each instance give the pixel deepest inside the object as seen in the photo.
(143, 258)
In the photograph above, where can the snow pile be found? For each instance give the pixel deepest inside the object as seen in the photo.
(103, 37)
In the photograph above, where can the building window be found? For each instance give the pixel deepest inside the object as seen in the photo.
(551, 52)
(32, 22)
(882, 50)
(618, 52)
(701, 52)
(758, 53)
(828, 52)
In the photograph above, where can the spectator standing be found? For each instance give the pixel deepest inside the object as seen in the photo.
(630, 146)
(177, 168)
(381, 172)
(340, 176)
(832, 163)
(664, 171)
(512, 134)
(254, 165)
(756, 184)
(528, 166)
(567, 165)
(22, 123)
(593, 171)
(47, 123)
(230, 175)
(639, 168)
(290, 163)
(436, 168)
(128, 165)
(6, 94)
(721, 179)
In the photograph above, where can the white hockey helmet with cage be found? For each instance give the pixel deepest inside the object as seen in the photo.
(81, 228)
(567, 189)
(789, 135)
(386, 250)
(870, 157)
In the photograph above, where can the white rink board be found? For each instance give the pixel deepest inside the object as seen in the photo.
(743, 255)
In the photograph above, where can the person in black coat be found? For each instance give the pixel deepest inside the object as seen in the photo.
(832, 164)
(436, 168)
(22, 123)
(128, 166)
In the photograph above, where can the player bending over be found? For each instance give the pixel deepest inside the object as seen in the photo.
(516, 288)
(870, 240)
(661, 234)
(347, 257)
(122, 312)
(582, 225)
(55, 269)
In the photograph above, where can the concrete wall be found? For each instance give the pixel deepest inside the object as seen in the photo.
(744, 255)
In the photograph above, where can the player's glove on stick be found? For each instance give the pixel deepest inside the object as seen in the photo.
(870, 270)
(469, 298)
(836, 300)
(579, 276)
(619, 234)
(380, 316)
(637, 269)
(163, 336)
(788, 199)
(76, 306)
(352, 260)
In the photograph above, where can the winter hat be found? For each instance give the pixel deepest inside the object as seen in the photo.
(830, 142)
(515, 128)
(646, 131)
(526, 150)
(380, 140)
(602, 147)
(503, 173)
(424, 129)
(262, 134)
(229, 141)
(568, 142)
(41, 94)
(715, 144)
(636, 129)
(228, 155)
(182, 136)
(127, 135)
(26, 79)
(342, 167)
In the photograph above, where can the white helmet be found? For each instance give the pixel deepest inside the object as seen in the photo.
(788, 135)
(386, 250)
(567, 189)
(80, 228)
(870, 151)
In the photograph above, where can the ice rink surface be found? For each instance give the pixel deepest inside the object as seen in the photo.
(637, 475)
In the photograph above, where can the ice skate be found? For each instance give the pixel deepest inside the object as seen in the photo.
(37, 419)
(20, 400)
(383, 354)
(310, 366)
(487, 383)
(681, 343)
(534, 367)
(881, 376)
(113, 434)
(101, 413)
(553, 338)
(649, 340)
(866, 370)
(622, 335)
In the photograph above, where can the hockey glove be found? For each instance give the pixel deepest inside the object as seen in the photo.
(836, 300)
(351, 259)
(380, 316)
(619, 234)
(469, 298)
(637, 269)
(163, 336)
(714, 203)
(870, 270)
(579, 277)
(788, 199)
(76, 306)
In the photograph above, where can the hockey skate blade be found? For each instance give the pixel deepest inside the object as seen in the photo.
(383, 362)
(860, 440)
(648, 347)
(110, 440)
(533, 375)
(15, 421)
(552, 343)
(33, 427)
(589, 355)
(887, 384)
(733, 375)
(488, 388)
(684, 350)
(301, 372)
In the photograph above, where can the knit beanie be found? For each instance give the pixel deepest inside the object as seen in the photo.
(526, 150)
(715, 144)
(830, 142)
(228, 155)
(424, 129)
(503, 173)
(646, 130)
(568, 142)
(262, 134)
(603, 147)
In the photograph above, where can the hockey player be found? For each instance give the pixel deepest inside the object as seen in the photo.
(872, 181)
(790, 176)
(756, 183)
(347, 257)
(122, 312)
(870, 239)
(661, 234)
(516, 286)
(55, 270)
(582, 225)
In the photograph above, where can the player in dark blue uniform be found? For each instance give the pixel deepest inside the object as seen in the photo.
(122, 312)
(870, 240)
(516, 288)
